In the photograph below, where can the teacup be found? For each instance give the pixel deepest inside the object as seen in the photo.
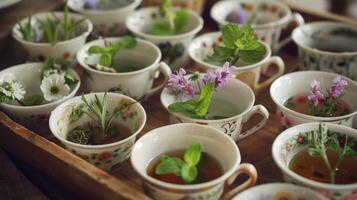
(105, 156)
(34, 117)
(291, 141)
(298, 83)
(136, 84)
(271, 17)
(62, 50)
(178, 136)
(173, 47)
(236, 99)
(279, 191)
(196, 5)
(109, 22)
(327, 46)
(202, 47)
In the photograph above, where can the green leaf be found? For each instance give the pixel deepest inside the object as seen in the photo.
(105, 60)
(128, 42)
(189, 173)
(194, 77)
(230, 34)
(205, 99)
(350, 152)
(181, 19)
(186, 108)
(70, 79)
(193, 154)
(169, 165)
(220, 56)
(253, 55)
(33, 100)
(96, 49)
(161, 29)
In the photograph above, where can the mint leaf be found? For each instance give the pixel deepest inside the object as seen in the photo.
(96, 49)
(181, 18)
(186, 108)
(252, 56)
(205, 99)
(189, 173)
(193, 154)
(33, 100)
(105, 60)
(70, 79)
(161, 29)
(128, 42)
(169, 165)
(230, 34)
(220, 56)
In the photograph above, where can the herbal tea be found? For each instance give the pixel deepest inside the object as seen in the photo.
(301, 104)
(220, 109)
(91, 134)
(208, 169)
(126, 65)
(314, 168)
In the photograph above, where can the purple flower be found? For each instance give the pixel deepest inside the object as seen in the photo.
(220, 76)
(238, 16)
(338, 85)
(316, 95)
(180, 84)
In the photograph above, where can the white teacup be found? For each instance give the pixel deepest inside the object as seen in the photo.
(235, 99)
(202, 47)
(106, 22)
(290, 142)
(298, 83)
(62, 50)
(34, 117)
(179, 136)
(106, 156)
(173, 47)
(272, 17)
(136, 84)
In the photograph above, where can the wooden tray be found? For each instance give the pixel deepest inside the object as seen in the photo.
(85, 181)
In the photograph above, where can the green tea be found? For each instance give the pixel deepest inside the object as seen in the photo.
(121, 65)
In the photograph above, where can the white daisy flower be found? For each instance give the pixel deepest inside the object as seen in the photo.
(18, 90)
(54, 87)
(11, 87)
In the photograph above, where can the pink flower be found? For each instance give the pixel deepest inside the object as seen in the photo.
(338, 85)
(180, 84)
(316, 95)
(220, 76)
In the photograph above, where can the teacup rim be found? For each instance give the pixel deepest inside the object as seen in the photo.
(133, 5)
(166, 37)
(216, 181)
(283, 20)
(290, 131)
(311, 49)
(251, 104)
(15, 32)
(304, 116)
(86, 67)
(63, 99)
(101, 146)
(211, 66)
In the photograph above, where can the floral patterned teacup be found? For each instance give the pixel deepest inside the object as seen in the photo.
(202, 47)
(298, 83)
(236, 100)
(178, 136)
(270, 18)
(136, 84)
(293, 140)
(62, 50)
(173, 47)
(279, 191)
(109, 22)
(105, 156)
(327, 46)
(33, 117)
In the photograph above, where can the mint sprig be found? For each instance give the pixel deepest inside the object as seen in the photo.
(186, 168)
(240, 43)
(174, 23)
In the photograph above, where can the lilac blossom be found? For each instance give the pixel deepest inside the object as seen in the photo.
(316, 95)
(338, 85)
(180, 84)
(220, 76)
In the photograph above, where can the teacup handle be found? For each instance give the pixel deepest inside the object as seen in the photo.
(245, 168)
(257, 109)
(296, 17)
(281, 67)
(166, 71)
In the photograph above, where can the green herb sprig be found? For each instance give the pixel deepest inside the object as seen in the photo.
(175, 21)
(26, 30)
(320, 141)
(240, 43)
(186, 168)
(109, 51)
